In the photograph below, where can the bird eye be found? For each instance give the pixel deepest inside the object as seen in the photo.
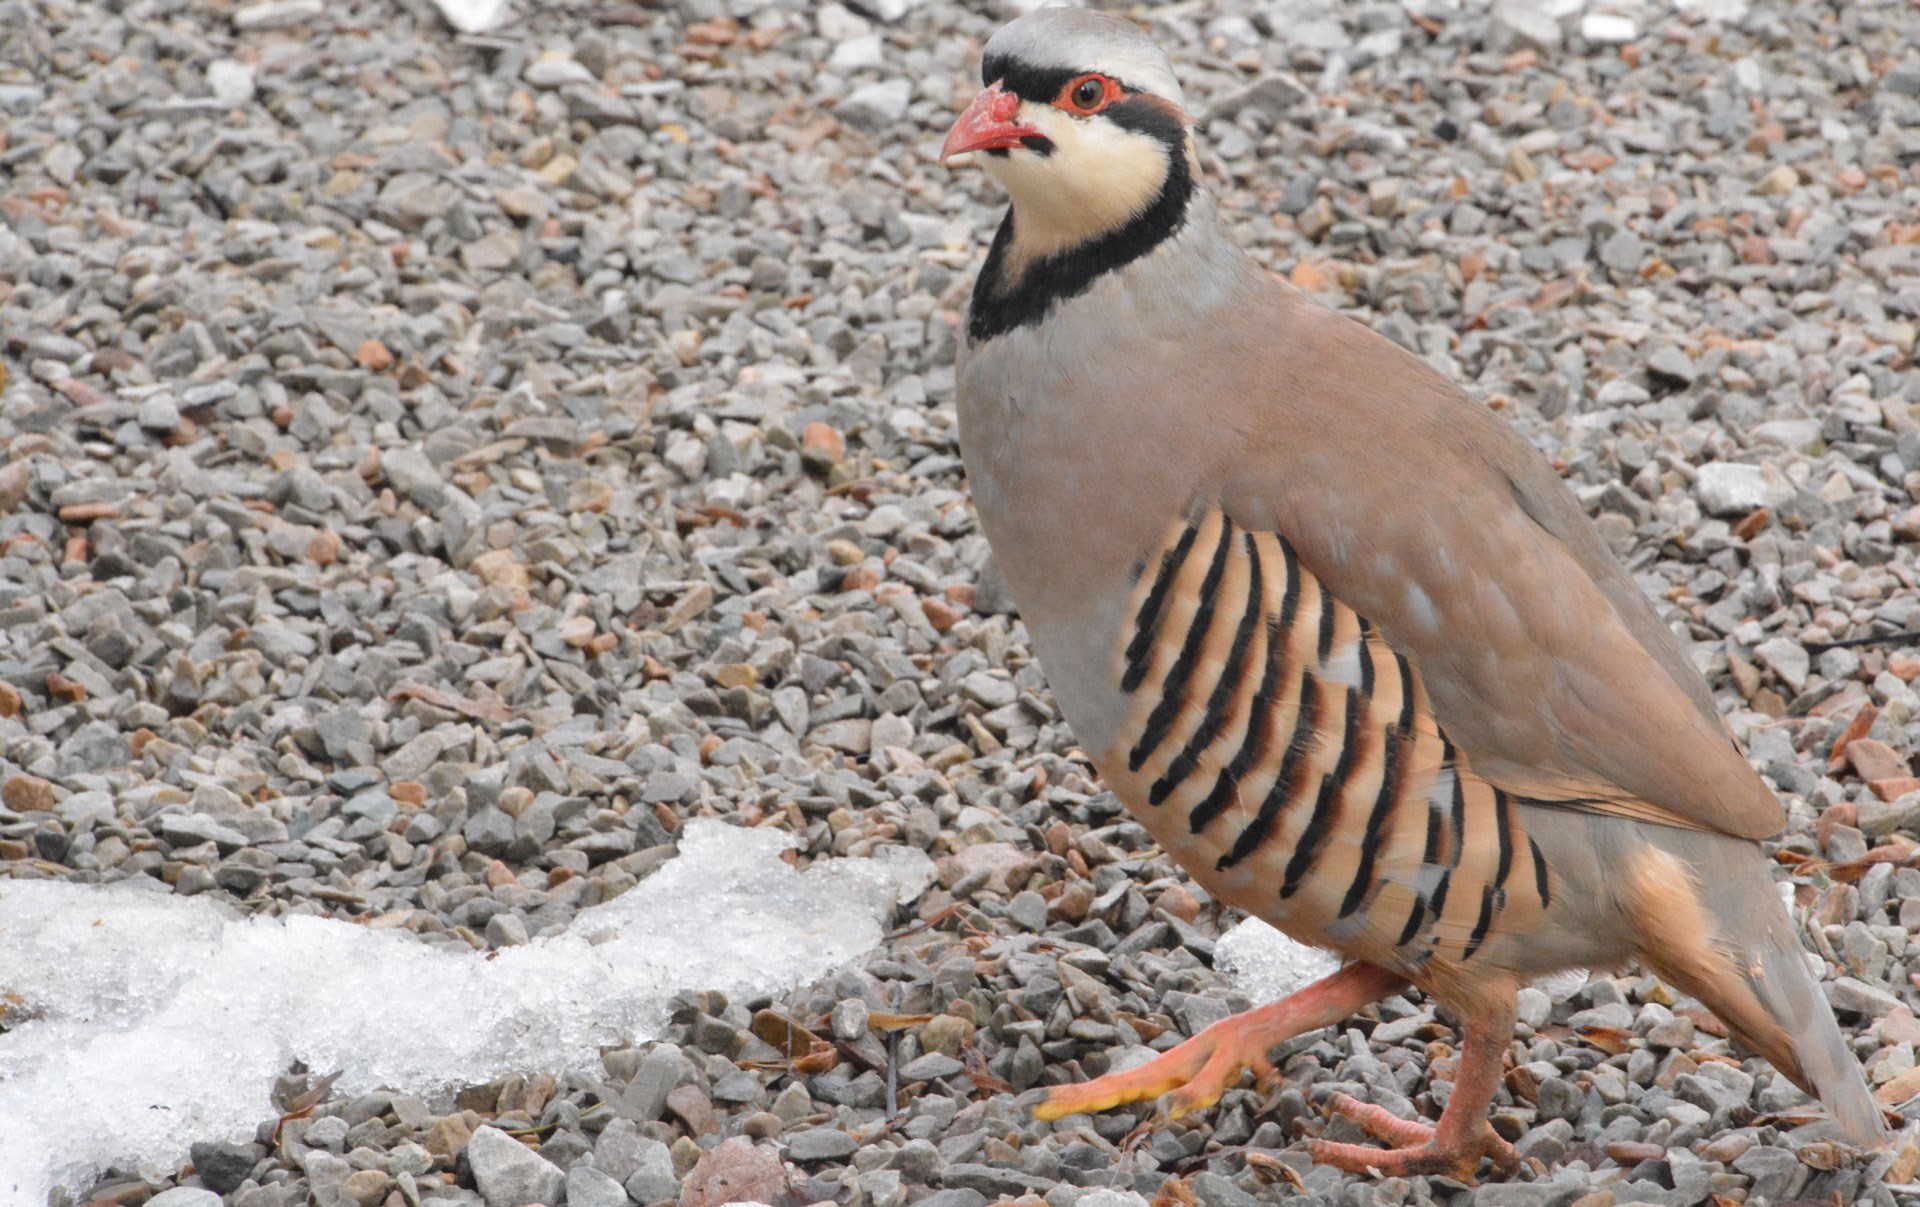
(1088, 94)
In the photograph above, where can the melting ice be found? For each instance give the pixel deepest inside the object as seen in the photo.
(1266, 964)
(164, 1020)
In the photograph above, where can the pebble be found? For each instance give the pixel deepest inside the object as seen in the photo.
(510, 1174)
(875, 106)
(277, 14)
(186, 1196)
(1728, 488)
(652, 1178)
(223, 1165)
(588, 1187)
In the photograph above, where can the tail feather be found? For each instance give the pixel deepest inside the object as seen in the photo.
(1731, 945)
(1821, 1063)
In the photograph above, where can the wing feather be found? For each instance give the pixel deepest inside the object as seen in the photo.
(1433, 518)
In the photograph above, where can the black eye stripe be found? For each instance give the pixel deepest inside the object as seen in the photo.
(1037, 84)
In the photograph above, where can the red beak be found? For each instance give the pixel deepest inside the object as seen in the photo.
(987, 124)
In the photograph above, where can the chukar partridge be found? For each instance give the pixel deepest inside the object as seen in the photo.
(1333, 632)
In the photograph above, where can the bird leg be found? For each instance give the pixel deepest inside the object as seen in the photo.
(1455, 1145)
(1195, 1074)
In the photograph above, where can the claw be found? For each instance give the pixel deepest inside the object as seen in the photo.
(1414, 1148)
(1192, 1077)
(1195, 1074)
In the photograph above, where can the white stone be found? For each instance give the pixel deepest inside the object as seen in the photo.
(1608, 29)
(1787, 659)
(854, 54)
(1534, 21)
(555, 70)
(472, 16)
(1716, 10)
(1797, 434)
(232, 81)
(1728, 488)
(277, 14)
(837, 24)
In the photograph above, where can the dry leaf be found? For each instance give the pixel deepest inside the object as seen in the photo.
(1703, 1020)
(781, 1032)
(977, 1071)
(303, 1106)
(1906, 1164)
(1175, 1192)
(1611, 1040)
(1901, 1088)
(1273, 1169)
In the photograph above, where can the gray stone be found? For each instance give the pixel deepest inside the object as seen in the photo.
(510, 1174)
(159, 414)
(555, 71)
(1212, 1190)
(329, 1132)
(196, 828)
(1271, 94)
(875, 106)
(1623, 252)
(1773, 1172)
(930, 1065)
(652, 1178)
(1857, 997)
(669, 787)
(820, 1144)
(97, 746)
(1527, 1194)
(588, 1187)
(223, 1165)
(617, 1150)
(1560, 1099)
(661, 1069)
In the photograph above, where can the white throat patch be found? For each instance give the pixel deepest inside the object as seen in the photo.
(1099, 177)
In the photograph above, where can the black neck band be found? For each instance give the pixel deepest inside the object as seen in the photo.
(1000, 306)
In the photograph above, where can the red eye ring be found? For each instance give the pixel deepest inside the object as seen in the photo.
(1087, 94)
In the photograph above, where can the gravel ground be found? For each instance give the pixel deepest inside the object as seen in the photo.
(433, 468)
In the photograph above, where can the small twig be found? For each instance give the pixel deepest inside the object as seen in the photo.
(893, 1073)
(302, 1106)
(893, 1058)
(1821, 647)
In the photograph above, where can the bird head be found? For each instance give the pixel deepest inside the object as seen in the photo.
(1081, 121)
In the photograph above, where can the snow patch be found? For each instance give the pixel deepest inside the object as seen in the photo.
(1266, 964)
(159, 1020)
